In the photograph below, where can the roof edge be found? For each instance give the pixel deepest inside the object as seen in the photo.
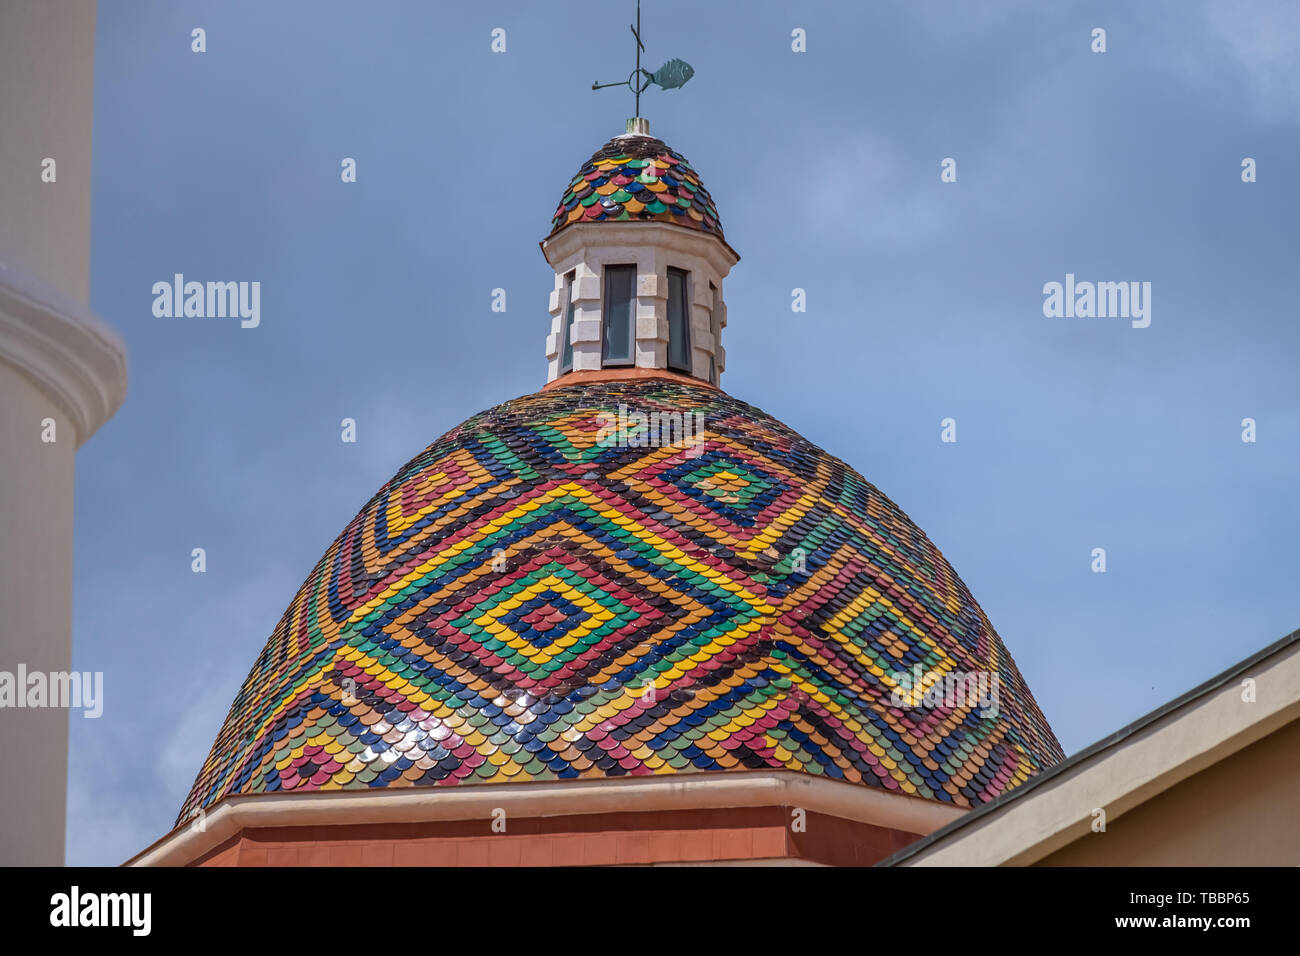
(551, 798)
(1288, 646)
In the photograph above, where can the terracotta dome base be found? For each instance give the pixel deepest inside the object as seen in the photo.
(756, 818)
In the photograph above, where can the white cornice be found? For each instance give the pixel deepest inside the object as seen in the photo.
(548, 798)
(706, 245)
(63, 347)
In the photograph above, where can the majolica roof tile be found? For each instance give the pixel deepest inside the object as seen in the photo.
(637, 178)
(524, 601)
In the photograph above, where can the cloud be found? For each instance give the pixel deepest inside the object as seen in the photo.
(1253, 45)
(1266, 47)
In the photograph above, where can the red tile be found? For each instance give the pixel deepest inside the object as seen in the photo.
(504, 850)
(901, 838)
(411, 853)
(345, 854)
(443, 853)
(425, 853)
(566, 850)
(282, 856)
(634, 848)
(378, 853)
(600, 849)
(228, 856)
(251, 857)
(665, 845)
(696, 845)
(733, 844)
(472, 852)
(769, 842)
(536, 851)
(314, 855)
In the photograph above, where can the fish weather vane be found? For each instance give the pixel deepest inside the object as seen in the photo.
(670, 76)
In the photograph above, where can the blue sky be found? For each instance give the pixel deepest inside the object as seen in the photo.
(924, 302)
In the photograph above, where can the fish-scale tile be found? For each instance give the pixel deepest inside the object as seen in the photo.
(637, 178)
(650, 616)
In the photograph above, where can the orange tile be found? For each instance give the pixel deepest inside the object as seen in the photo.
(251, 857)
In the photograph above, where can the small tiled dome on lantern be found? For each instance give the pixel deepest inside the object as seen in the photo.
(637, 177)
(639, 259)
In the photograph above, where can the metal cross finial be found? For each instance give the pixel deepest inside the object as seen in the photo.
(670, 76)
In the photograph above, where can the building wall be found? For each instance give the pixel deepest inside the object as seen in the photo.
(47, 67)
(46, 86)
(35, 615)
(1242, 811)
(747, 834)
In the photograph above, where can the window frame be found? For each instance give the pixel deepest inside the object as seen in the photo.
(606, 309)
(567, 314)
(715, 328)
(684, 321)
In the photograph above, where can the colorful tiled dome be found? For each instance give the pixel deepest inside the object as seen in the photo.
(526, 600)
(635, 177)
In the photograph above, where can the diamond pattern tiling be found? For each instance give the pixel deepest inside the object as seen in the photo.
(521, 602)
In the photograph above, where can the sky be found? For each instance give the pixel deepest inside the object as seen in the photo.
(925, 301)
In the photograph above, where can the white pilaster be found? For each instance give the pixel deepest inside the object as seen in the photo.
(58, 363)
(653, 247)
